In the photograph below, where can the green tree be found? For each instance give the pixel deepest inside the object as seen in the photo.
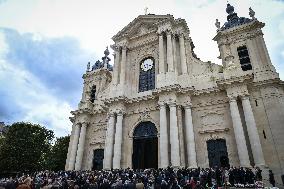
(57, 157)
(24, 147)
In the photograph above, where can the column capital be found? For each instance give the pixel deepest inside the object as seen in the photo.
(169, 32)
(160, 33)
(244, 97)
(172, 104)
(187, 106)
(116, 48)
(161, 103)
(232, 98)
(124, 47)
(120, 112)
(181, 35)
(85, 124)
(110, 114)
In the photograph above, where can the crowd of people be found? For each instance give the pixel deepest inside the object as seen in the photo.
(168, 178)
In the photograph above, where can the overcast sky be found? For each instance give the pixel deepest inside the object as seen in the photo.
(46, 44)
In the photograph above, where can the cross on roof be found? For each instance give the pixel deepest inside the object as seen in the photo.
(146, 9)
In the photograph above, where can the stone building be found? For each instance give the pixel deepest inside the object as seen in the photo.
(160, 105)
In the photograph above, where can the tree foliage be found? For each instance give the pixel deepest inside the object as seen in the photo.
(57, 157)
(25, 147)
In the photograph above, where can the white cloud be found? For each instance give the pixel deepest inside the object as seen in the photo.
(94, 22)
(32, 97)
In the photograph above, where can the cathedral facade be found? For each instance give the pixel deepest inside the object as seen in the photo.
(160, 105)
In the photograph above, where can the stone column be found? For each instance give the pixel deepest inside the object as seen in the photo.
(190, 141)
(253, 133)
(174, 45)
(164, 151)
(74, 147)
(123, 66)
(161, 54)
(174, 140)
(239, 134)
(118, 142)
(81, 146)
(170, 59)
(116, 66)
(109, 143)
(182, 54)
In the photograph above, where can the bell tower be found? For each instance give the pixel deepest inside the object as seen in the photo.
(96, 80)
(242, 47)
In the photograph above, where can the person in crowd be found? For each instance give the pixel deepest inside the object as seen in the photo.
(167, 178)
(271, 178)
(26, 184)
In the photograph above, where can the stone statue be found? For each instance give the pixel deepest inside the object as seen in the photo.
(251, 13)
(88, 67)
(97, 65)
(106, 59)
(217, 24)
(146, 10)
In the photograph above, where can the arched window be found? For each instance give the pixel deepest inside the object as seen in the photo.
(93, 93)
(147, 74)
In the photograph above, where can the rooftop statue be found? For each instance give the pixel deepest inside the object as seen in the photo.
(88, 67)
(106, 59)
(233, 19)
(105, 62)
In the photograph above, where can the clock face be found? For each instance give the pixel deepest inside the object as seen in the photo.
(147, 64)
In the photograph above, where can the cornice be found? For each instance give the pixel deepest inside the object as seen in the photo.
(269, 82)
(232, 80)
(213, 102)
(210, 131)
(239, 29)
(206, 91)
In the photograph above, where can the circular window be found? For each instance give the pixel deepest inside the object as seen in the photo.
(147, 64)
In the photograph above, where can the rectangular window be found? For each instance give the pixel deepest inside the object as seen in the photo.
(244, 58)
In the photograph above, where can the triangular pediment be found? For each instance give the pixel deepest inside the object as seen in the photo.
(141, 25)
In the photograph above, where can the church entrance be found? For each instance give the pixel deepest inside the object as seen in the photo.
(98, 159)
(217, 153)
(145, 146)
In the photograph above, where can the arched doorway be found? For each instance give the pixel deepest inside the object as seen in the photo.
(98, 159)
(145, 146)
(217, 153)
